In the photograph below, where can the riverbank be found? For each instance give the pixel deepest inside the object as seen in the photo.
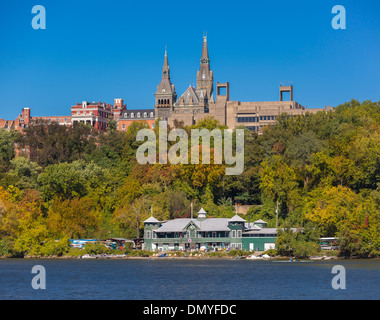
(175, 257)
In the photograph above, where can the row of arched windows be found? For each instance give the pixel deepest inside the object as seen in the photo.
(163, 101)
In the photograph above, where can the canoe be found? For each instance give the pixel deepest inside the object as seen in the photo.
(288, 261)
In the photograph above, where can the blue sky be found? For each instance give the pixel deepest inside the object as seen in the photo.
(101, 50)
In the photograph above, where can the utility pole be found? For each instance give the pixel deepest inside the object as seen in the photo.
(277, 215)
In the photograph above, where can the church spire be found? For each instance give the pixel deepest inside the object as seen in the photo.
(165, 68)
(165, 94)
(205, 59)
(205, 76)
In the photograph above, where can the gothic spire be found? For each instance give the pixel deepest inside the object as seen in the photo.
(165, 94)
(205, 76)
(165, 68)
(205, 58)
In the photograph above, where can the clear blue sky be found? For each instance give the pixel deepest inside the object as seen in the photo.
(101, 50)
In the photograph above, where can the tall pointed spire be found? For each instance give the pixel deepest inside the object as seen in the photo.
(165, 68)
(165, 94)
(205, 76)
(205, 59)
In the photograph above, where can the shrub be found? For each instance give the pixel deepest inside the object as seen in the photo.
(271, 252)
(6, 248)
(54, 248)
(236, 252)
(96, 248)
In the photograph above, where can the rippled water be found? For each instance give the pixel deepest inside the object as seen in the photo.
(188, 279)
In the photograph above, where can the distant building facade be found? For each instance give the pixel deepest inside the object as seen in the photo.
(25, 119)
(204, 233)
(198, 103)
(127, 117)
(97, 114)
(195, 104)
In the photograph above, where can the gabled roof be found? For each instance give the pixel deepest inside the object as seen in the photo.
(151, 220)
(176, 225)
(215, 224)
(189, 93)
(251, 226)
(260, 221)
(236, 218)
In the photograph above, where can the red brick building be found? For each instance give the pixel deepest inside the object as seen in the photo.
(127, 117)
(96, 114)
(25, 119)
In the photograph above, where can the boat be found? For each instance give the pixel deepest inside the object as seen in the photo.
(253, 257)
(89, 256)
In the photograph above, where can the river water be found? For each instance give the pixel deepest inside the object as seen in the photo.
(171, 279)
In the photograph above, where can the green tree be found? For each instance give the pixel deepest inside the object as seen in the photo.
(7, 149)
(24, 173)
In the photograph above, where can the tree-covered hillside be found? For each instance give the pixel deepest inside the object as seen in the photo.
(321, 170)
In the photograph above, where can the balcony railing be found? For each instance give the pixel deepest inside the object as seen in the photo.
(194, 240)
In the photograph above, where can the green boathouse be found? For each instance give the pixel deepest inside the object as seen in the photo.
(204, 233)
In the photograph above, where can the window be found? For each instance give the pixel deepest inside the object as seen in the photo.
(132, 115)
(233, 245)
(238, 246)
(239, 233)
(233, 234)
(151, 115)
(148, 234)
(138, 114)
(154, 235)
(123, 126)
(214, 234)
(145, 114)
(246, 119)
